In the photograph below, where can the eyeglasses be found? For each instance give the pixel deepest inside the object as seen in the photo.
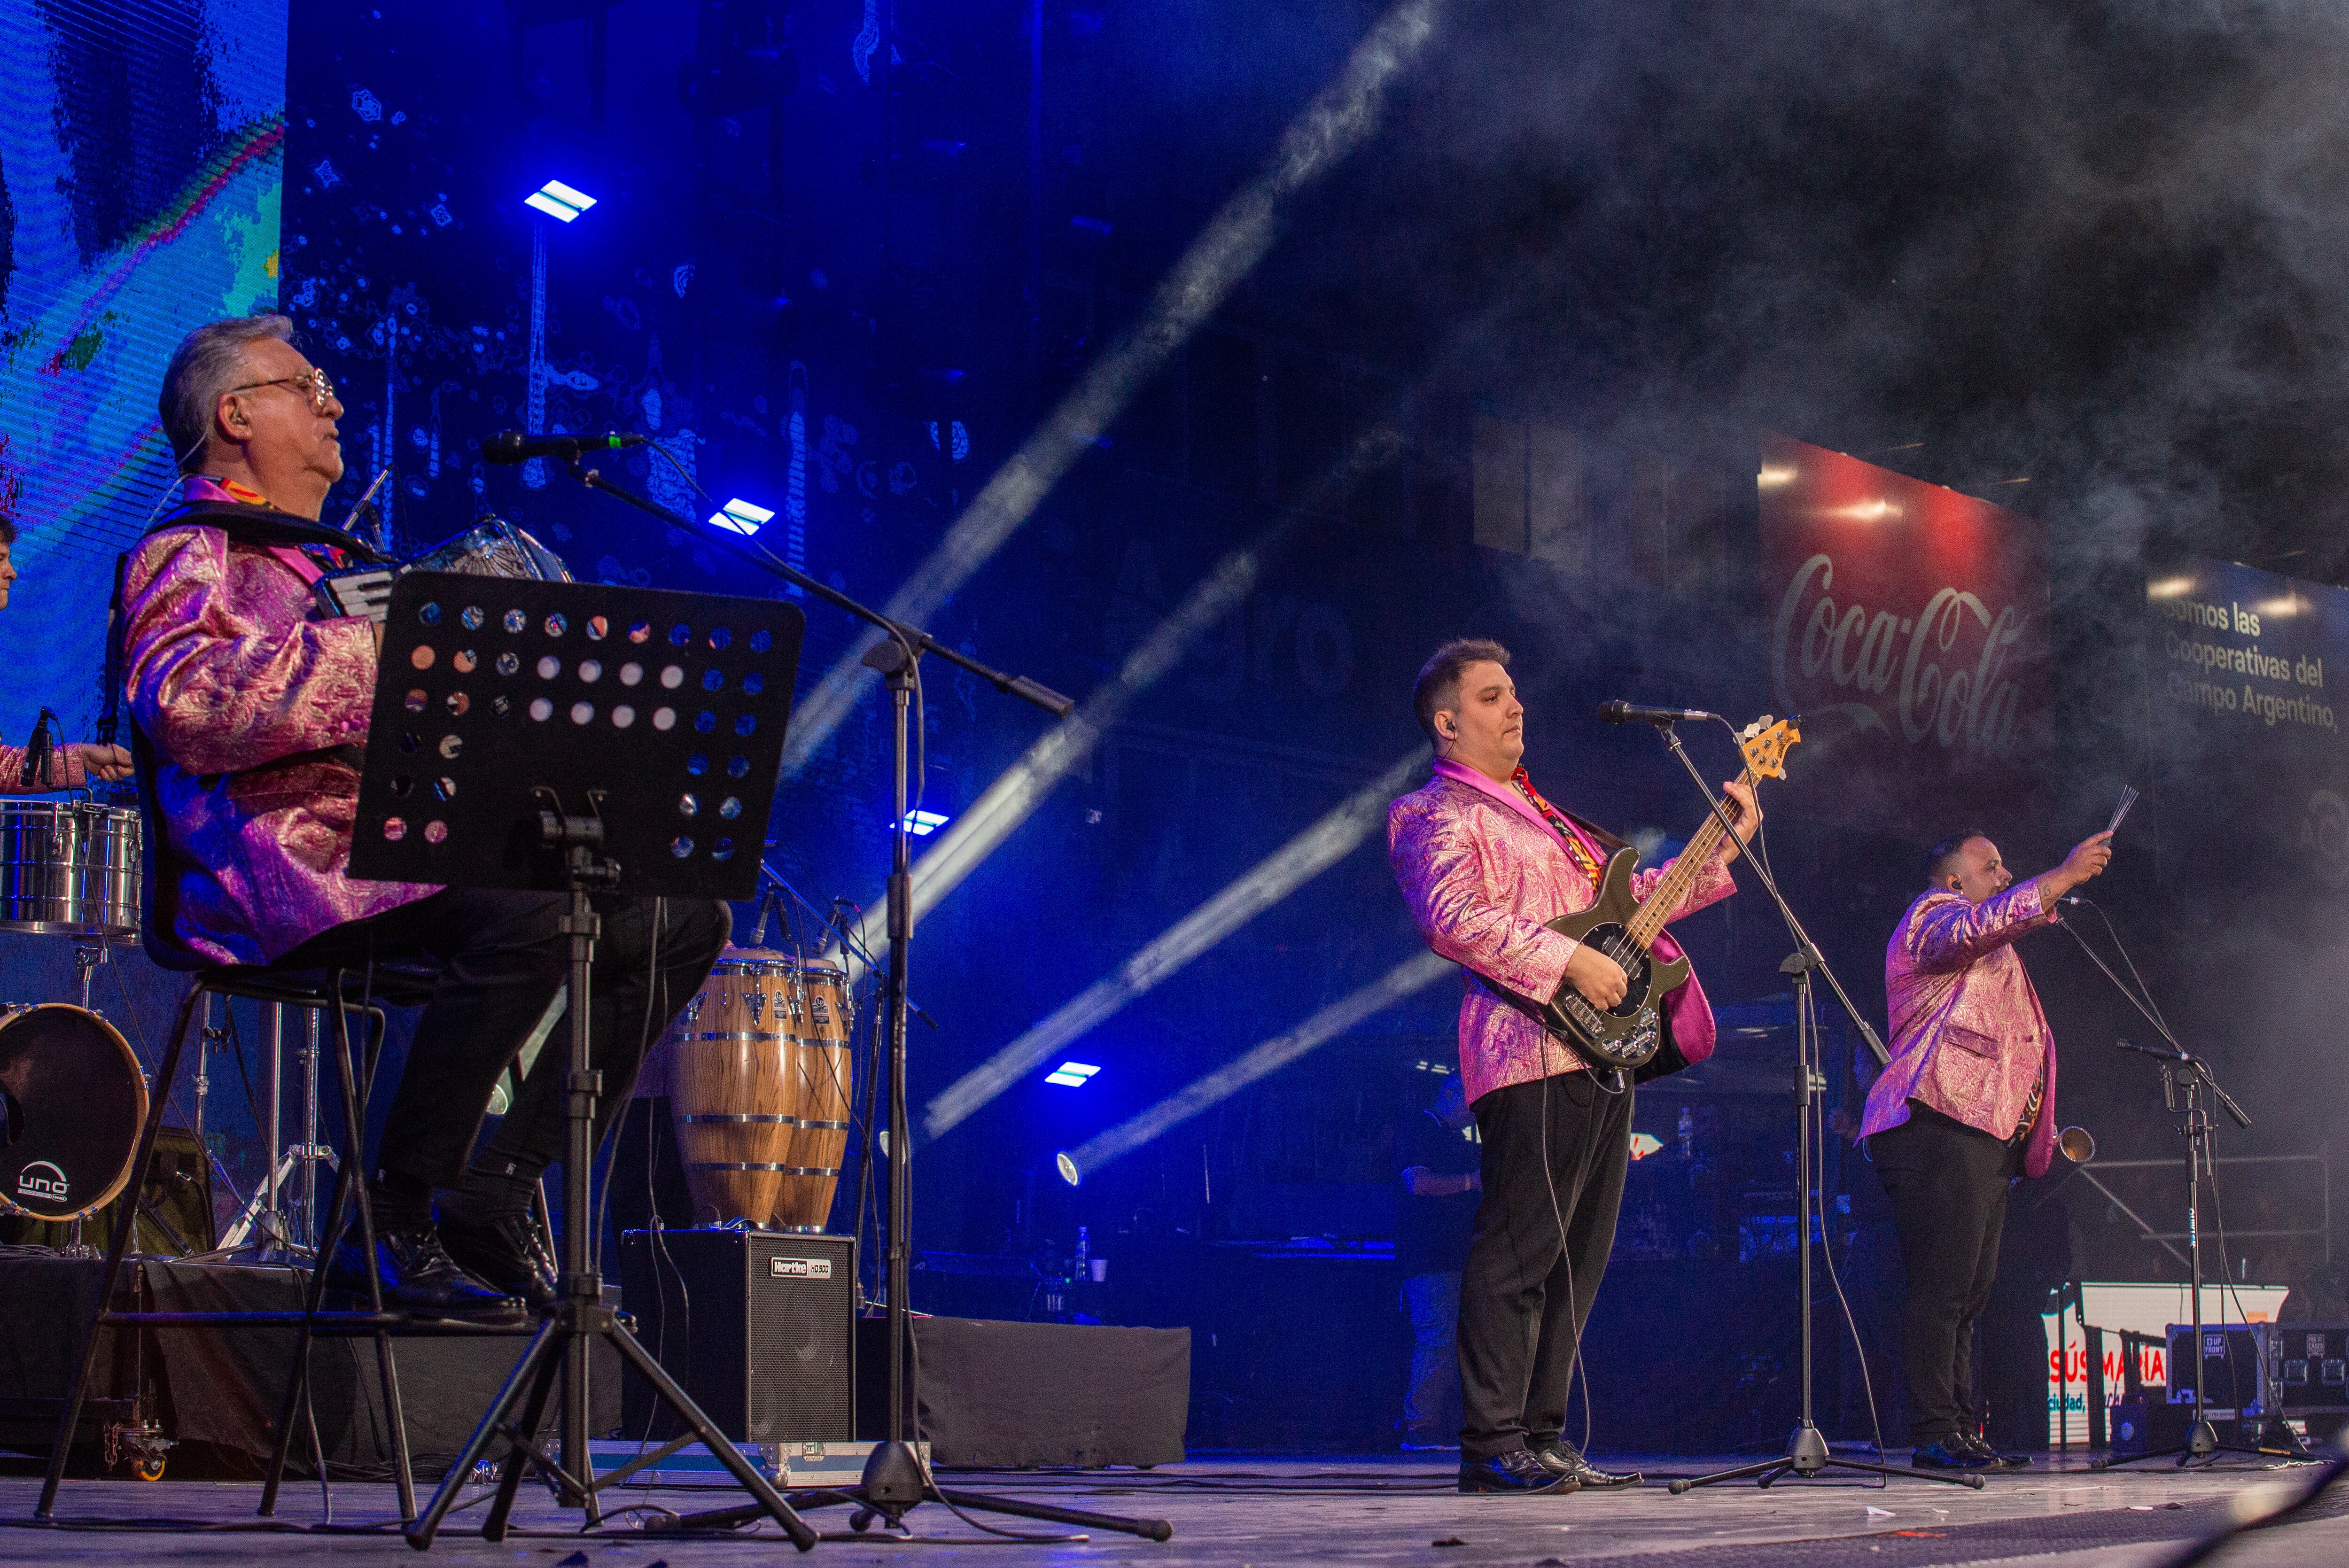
(321, 389)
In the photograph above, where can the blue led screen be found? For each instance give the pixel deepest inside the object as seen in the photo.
(141, 161)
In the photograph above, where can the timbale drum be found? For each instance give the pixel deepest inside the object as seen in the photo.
(757, 1078)
(70, 868)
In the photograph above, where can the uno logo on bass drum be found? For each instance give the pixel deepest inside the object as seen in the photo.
(43, 1181)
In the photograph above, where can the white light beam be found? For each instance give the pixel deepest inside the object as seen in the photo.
(1282, 873)
(1412, 975)
(1340, 119)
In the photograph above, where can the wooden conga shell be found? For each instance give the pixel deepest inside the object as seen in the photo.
(731, 1083)
(818, 1019)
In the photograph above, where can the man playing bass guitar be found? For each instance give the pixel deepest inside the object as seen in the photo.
(1485, 861)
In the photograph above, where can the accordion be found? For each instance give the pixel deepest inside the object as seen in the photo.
(490, 548)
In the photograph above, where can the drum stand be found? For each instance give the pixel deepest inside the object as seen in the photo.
(265, 1225)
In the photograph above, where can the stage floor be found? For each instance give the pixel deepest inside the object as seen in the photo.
(1239, 1509)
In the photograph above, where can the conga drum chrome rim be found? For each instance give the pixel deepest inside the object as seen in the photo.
(73, 1100)
(70, 868)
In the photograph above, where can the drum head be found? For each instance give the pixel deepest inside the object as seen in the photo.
(72, 1101)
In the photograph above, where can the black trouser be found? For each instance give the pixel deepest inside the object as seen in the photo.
(1555, 1154)
(503, 957)
(1948, 1183)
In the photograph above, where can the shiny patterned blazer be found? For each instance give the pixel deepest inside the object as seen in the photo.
(248, 715)
(1484, 874)
(1968, 1035)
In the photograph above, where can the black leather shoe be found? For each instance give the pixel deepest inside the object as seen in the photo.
(1950, 1454)
(1977, 1444)
(417, 1275)
(505, 1252)
(1563, 1459)
(1517, 1471)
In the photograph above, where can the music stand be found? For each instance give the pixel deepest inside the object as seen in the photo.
(582, 738)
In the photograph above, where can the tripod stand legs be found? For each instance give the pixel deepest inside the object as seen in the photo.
(1807, 1455)
(532, 1385)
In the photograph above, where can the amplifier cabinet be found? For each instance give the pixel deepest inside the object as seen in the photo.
(758, 1326)
(2263, 1369)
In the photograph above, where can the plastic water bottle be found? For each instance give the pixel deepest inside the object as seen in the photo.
(1688, 1131)
(1084, 1255)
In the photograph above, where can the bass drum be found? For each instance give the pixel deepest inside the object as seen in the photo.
(758, 1077)
(73, 1098)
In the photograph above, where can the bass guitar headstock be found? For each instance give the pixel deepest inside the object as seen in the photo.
(1766, 744)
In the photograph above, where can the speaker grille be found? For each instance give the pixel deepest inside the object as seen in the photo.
(800, 1389)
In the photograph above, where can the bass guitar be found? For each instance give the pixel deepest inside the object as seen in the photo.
(1624, 928)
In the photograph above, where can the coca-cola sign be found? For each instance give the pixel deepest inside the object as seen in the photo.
(1908, 627)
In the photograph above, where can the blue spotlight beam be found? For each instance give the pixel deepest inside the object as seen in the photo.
(1340, 119)
(1021, 788)
(1408, 978)
(1304, 857)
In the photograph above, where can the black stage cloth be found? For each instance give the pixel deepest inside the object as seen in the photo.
(1021, 1395)
(217, 1389)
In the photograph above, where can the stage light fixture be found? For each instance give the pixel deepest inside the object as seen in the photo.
(922, 824)
(1340, 116)
(1071, 1075)
(1407, 978)
(1269, 881)
(740, 516)
(559, 201)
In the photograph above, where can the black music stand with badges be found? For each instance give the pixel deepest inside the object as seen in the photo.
(576, 738)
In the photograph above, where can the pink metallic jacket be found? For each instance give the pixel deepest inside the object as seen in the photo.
(244, 699)
(64, 765)
(1483, 872)
(1968, 1036)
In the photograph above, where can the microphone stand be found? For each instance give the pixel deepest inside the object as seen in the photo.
(1806, 1453)
(896, 1479)
(2186, 1078)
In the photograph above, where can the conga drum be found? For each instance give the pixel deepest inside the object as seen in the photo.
(757, 1078)
(819, 1021)
(731, 1081)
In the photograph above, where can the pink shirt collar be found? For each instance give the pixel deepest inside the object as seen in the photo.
(205, 488)
(1513, 798)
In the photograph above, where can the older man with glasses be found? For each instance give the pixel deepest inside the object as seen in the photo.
(250, 710)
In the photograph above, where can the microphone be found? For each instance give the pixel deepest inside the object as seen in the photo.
(1625, 712)
(514, 447)
(2167, 1052)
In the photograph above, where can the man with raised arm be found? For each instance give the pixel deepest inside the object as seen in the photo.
(1967, 1106)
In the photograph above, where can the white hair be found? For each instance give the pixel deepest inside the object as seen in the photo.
(206, 364)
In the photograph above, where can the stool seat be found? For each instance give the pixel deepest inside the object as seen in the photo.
(392, 985)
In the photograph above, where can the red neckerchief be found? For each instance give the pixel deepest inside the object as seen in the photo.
(1576, 850)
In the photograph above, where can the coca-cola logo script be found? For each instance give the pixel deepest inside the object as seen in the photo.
(1939, 673)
